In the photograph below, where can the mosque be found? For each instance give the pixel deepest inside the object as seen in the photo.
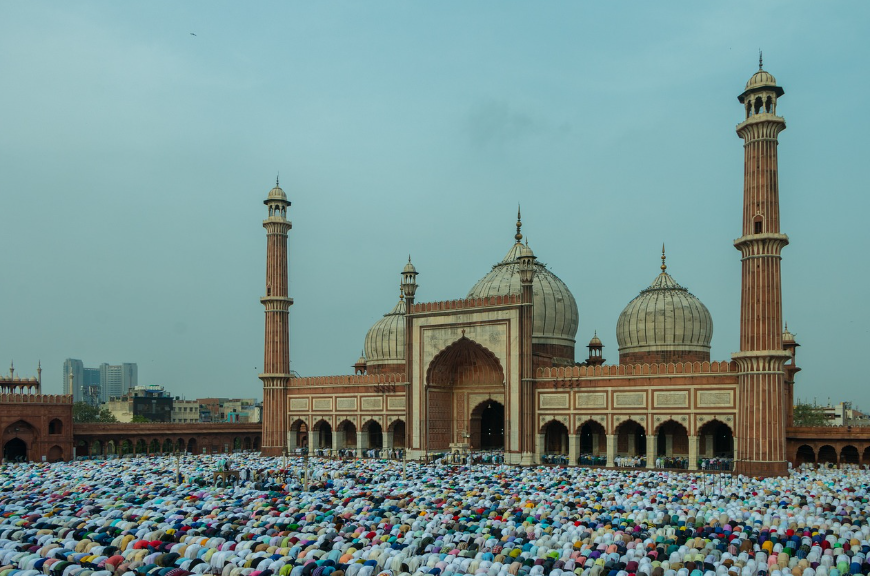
(497, 369)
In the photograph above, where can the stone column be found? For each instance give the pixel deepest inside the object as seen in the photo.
(651, 451)
(362, 443)
(596, 444)
(632, 445)
(313, 440)
(669, 444)
(291, 441)
(693, 452)
(540, 447)
(708, 446)
(388, 440)
(338, 440)
(573, 449)
(611, 449)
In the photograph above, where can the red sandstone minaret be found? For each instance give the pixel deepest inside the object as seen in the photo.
(276, 363)
(762, 396)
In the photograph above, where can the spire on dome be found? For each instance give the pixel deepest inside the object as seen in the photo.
(759, 59)
(664, 266)
(519, 235)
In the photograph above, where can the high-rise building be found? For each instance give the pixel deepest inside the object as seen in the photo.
(117, 379)
(75, 385)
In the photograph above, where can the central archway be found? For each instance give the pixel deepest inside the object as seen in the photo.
(453, 414)
(15, 450)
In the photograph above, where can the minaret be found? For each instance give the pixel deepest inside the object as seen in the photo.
(409, 290)
(761, 417)
(527, 429)
(276, 362)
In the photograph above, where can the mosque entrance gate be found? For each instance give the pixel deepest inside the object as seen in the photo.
(465, 399)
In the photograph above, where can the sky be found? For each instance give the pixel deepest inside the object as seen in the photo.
(135, 156)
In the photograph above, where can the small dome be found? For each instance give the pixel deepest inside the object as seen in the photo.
(409, 268)
(664, 318)
(554, 317)
(525, 252)
(596, 341)
(385, 341)
(760, 79)
(276, 193)
(787, 336)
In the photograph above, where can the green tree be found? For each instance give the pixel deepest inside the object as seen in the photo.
(138, 418)
(809, 415)
(84, 412)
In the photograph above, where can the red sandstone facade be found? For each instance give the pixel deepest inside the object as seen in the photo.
(484, 373)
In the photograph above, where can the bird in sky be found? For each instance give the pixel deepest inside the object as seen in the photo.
(192, 34)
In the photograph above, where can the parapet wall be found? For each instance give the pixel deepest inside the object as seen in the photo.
(637, 369)
(36, 399)
(511, 299)
(348, 380)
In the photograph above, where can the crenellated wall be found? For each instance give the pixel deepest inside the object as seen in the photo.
(637, 369)
(440, 306)
(346, 380)
(36, 399)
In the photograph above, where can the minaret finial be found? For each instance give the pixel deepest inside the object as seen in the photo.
(409, 258)
(278, 175)
(519, 235)
(664, 266)
(759, 59)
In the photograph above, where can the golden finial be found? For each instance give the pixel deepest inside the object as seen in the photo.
(519, 236)
(664, 266)
(401, 293)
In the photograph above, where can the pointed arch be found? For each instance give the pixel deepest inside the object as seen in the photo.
(465, 362)
(630, 438)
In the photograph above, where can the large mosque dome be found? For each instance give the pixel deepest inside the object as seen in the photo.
(555, 316)
(384, 347)
(664, 323)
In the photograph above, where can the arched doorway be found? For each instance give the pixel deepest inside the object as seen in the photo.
(298, 436)
(849, 455)
(555, 438)
(593, 439)
(827, 454)
(324, 435)
(397, 429)
(460, 370)
(18, 437)
(346, 435)
(630, 439)
(55, 454)
(375, 435)
(15, 450)
(191, 445)
(487, 426)
(672, 439)
(716, 440)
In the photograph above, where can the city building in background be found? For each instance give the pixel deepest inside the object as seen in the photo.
(185, 411)
(238, 410)
(152, 403)
(97, 385)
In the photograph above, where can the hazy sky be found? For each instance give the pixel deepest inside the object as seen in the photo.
(134, 158)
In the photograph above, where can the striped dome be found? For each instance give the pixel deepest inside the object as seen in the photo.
(385, 341)
(664, 318)
(555, 316)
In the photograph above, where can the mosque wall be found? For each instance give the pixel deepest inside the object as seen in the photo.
(41, 424)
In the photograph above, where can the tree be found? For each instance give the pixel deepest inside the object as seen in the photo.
(809, 415)
(138, 418)
(84, 412)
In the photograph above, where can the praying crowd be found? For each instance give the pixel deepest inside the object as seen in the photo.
(164, 516)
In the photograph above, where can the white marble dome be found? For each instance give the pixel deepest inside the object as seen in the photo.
(664, 318)
(385, 341)
(555, 316)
